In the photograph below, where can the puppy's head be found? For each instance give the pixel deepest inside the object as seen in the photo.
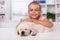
(24, 32)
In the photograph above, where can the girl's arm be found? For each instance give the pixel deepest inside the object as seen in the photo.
(44, 22)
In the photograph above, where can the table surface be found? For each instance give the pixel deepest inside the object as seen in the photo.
(9, 33)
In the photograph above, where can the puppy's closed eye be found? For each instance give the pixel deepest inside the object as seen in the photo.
(25, 29)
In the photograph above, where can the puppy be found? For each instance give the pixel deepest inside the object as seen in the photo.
(24, 29)
(29, 28)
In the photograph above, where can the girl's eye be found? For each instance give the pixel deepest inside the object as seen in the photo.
(36, 10)
(31, 10)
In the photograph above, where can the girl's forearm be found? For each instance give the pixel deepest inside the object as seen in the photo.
(46, 24)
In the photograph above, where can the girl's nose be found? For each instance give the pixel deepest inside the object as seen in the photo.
(33, 11)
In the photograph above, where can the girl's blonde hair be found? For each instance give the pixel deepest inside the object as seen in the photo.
(36, 3)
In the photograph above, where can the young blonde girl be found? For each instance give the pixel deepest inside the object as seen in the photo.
(34, 11)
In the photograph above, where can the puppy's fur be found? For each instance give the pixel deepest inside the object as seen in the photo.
(24, 29)
(28, 28)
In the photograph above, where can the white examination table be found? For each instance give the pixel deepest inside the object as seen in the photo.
(9, 33)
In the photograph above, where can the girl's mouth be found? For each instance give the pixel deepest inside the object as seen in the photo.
(34, 15)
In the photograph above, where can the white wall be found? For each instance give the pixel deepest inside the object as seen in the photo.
(7, 9)
(19, 8)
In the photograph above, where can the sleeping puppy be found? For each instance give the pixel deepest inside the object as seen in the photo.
(29, 28)
(24, 29)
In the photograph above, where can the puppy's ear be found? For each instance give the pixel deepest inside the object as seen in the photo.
(30, 31)
(33, 33)
(18, 33)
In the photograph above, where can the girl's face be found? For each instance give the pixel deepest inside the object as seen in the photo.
(34, 11)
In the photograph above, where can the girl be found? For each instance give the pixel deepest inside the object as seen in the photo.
(34, 10)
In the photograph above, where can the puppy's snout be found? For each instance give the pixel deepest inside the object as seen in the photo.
(22, 32)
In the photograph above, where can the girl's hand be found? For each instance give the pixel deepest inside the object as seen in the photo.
(36, 21)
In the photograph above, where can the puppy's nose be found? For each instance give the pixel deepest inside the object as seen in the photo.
(22, 33)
